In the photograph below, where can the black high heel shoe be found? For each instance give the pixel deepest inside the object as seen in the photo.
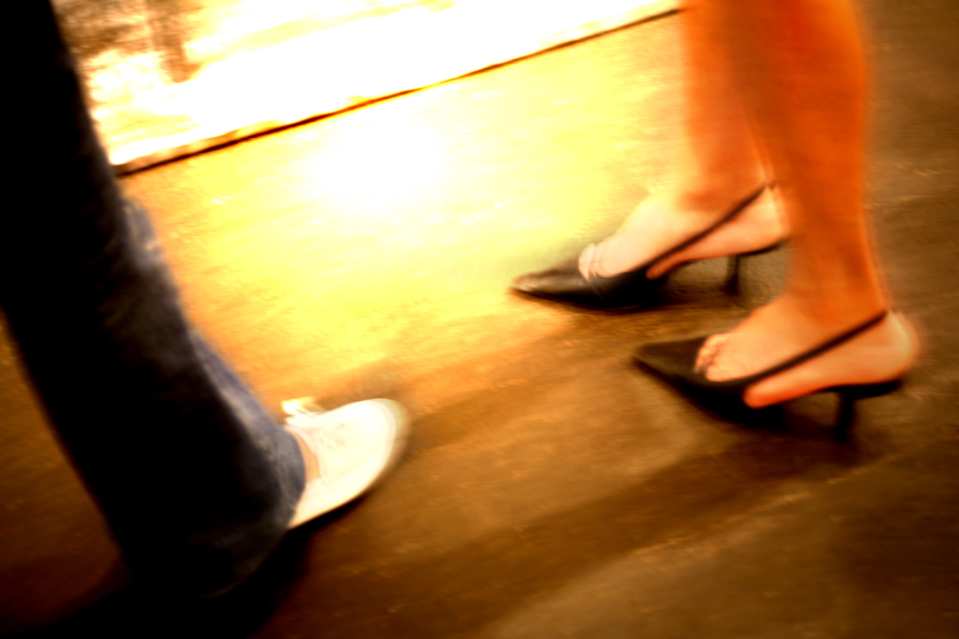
(627, 291)
(676, 362)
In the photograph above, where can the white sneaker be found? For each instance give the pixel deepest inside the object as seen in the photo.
(355, 445)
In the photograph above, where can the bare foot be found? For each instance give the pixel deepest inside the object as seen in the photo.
(776, 333)
(660, 223)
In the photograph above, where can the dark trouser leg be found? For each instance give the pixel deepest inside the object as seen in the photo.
(195, 479)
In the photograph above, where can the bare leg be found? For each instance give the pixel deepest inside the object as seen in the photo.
(802, 70)
(718, 166)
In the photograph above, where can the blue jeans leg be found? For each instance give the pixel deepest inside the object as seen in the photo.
(195, 479)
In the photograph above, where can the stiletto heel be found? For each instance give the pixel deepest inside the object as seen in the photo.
(849, 395)
(627, 291)
(734, 265)
(846, 414)
(676, 362)
(732, 274)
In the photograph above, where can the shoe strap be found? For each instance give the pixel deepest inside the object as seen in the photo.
(736, 210)
(627, 277)
(808, 355)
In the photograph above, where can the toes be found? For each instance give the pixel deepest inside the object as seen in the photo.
(709, 351)
(588, 261)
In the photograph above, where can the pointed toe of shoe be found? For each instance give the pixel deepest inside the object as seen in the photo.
(565, 284)
(562, 282)
(675, 361)
(532, 283)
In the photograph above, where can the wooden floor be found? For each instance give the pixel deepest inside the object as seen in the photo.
(550, 489)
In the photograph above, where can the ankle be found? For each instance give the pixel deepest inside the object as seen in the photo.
(831, 313)
(716, 195)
